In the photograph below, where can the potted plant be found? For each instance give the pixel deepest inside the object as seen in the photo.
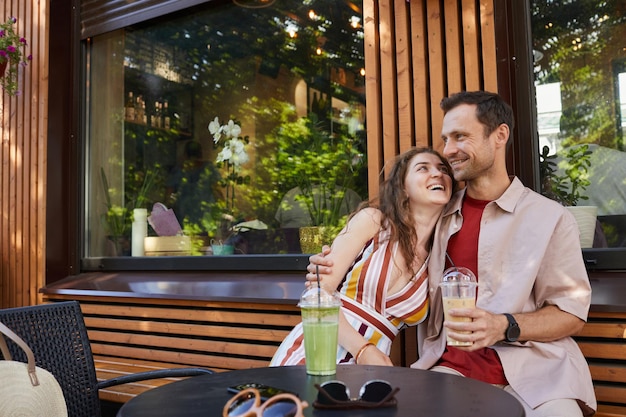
(12, 55)
(232, 156)
(321, 168)
(565, 181)
(118, 219)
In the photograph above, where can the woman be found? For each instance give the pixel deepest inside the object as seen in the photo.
(380, 262)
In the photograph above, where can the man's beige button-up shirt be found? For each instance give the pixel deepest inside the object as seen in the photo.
(529, 256)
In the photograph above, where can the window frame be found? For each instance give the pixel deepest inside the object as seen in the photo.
(279, 262)
(239, 262)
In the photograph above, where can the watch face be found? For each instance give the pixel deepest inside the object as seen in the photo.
(512, 333)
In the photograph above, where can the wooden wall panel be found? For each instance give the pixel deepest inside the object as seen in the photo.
(471, 46)
(419, 61)
(452, 48)
(372, 95)
(23, 162)
(388, 79)
(488, 46)
(404, 80)
(437, 68)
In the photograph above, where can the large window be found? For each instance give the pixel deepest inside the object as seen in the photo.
(238, 124)
(580, 75)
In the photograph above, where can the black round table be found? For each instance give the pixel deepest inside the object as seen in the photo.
(422, 393)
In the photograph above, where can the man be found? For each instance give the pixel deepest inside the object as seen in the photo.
(534, 292)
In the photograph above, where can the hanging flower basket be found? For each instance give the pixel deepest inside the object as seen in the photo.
(12, 56)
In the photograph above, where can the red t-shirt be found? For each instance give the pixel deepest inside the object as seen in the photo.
(483, 364)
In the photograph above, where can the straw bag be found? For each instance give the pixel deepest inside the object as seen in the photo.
(27, 390)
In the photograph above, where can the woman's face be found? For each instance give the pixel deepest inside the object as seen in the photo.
(428, 180)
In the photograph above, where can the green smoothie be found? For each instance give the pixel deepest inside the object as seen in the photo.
(320, 339)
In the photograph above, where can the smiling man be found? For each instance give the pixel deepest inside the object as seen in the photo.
(533, 288)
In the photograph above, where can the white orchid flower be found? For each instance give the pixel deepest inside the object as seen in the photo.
(236, 145)
(240, 159)
(215, 129)
(239, 155)
(224, 155)
(231, 129)
(234, 151)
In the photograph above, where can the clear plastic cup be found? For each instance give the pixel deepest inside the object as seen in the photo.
(458, 290)
(320, 322)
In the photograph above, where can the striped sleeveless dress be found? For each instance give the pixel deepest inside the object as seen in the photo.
(374, 315)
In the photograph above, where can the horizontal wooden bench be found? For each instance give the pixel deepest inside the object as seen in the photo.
(603, 342)
(130, 335)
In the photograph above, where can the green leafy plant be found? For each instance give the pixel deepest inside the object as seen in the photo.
(12, 55)
(322, 165)
(118, 219)
(565, 187)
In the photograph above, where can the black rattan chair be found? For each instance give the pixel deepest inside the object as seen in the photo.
(57, 335)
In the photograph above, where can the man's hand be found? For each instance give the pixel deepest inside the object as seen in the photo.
(486, 328)
(319, 260)
(547, 324)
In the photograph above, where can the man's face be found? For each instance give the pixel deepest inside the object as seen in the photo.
(470, 153)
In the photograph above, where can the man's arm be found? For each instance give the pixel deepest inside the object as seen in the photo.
(544, 325)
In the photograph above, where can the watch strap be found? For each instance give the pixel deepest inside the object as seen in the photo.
(512, 332)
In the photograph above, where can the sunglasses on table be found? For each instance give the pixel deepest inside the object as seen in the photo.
(373, 394)
(248, 403)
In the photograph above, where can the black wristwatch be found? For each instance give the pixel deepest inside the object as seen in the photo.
(512, 332)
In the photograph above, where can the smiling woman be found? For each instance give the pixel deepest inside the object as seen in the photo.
(195, 77)
(380, 262)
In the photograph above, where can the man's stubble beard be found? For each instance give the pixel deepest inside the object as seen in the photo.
(473, 169)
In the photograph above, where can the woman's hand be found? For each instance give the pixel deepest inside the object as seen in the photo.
(319, 261)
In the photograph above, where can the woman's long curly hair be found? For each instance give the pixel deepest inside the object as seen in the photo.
(393, 202)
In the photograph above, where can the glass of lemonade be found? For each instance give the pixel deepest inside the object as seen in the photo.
(458, 290)
(320, 322)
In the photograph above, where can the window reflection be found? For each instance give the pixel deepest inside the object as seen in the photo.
(288, 75)
(579, 75)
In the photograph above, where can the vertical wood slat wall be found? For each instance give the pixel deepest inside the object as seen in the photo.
(417, 52)
(23, 133)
